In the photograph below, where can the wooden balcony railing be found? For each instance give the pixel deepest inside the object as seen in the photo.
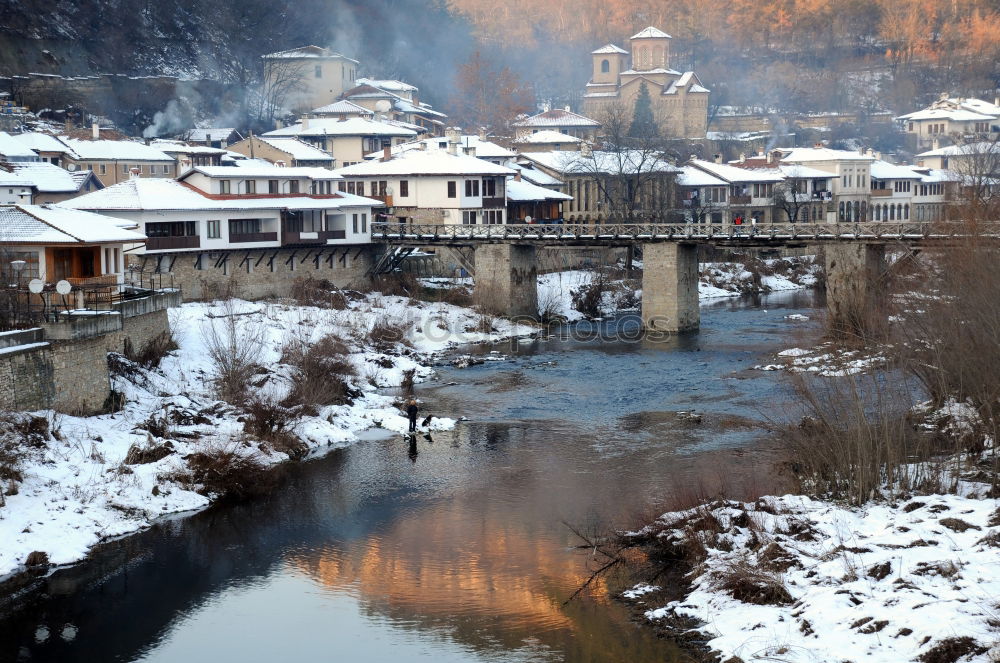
(739, 200)
(173, 243)
(253, 237)
(881, 193)
(315, 237)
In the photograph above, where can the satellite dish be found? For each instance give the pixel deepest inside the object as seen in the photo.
(527, 219)
(36, 286)
(382, 106)
(63, 287)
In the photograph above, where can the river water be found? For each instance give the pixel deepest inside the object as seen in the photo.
(457, 549)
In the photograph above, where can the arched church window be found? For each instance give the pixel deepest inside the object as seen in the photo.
(657, 57)
(605, 66)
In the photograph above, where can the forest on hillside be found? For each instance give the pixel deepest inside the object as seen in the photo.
(801, 55)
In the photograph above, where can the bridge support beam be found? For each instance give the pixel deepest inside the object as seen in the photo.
(855, 288)
(670, 287)
(507, 280)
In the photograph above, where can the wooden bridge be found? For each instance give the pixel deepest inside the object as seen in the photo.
(506, 273)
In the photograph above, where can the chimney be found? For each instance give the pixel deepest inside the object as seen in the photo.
(743, 157)
(277, 123)
(760, 153)
(818, 146)
(453, 136)
(95, 131)
(996, 101)
(586, 150)
(423, 145)
(717, 157)
(517, 176)
(386, 153)
(566, 108)
(483, 136)
(471, 151)
(305, 122)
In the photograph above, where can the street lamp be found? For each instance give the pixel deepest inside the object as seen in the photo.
(18, 266)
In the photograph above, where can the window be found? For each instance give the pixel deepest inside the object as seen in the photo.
(124, 169)
(213, 228)
(489, 187)
(103, 169)
(452, 189)
(223, 186)
(404, 188)
(354, 223)
(293, 186)
(171, 229)
(468, 218)
(364, 223)
(251, 186)
(272, 186)
(492, 216)
(318, 71)
(30, 270)
(605, 66)
(244, 226)
(471, 188)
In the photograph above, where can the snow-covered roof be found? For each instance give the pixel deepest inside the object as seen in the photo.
(812, 154)
(800, 172)
(985, 147)
(299, 150)
(657, 70)
(342, 107)
(180, 147)
(152, 194)
(388, 84)
(526, 191)
(485, 149)
(534, 175)
(626, 161)
(41, 142)
(651, 33)
(955, 115)
(979, 106)
(11, 147)
(608, 49)
(255, 171)
(352, 126)
(691, 176)
(50, 178)
(883, 170)
(308, 52)
(49, 224)
(549, 136)
(425, 162)
(557, 117)
(935, 175)
(689, 80)
(112, 150)
(735, 175)
(404, 106)
(211, 134)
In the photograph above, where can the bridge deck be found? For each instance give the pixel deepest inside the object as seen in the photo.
(616, 234)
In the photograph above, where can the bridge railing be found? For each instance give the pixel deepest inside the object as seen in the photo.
(666, 231)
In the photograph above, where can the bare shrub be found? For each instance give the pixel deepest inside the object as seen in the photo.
(220, 291)
(401, 284)
(322, 369)
(234, 342)
(386, 335)
(408, 378)
(19, 435)
(751, 584)
(148, 453)
(951, 650)
(309, 291)
(271, 423)
(228, 471)
(856, 439)
(152, 352)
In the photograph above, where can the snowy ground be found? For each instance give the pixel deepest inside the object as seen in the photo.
(77, 489)
(883, 583)
(826, 359)
(730, 279)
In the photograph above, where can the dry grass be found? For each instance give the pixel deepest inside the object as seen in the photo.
(227, 471)
(387, 335)
(152, 352)
(271, 423)
(321, 293)
(321, 373)
(951, 650)
(752, 584)
(234, 344)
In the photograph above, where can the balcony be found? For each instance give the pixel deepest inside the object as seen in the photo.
(173, 243)
(881, 193)
(494, 203)
(739, 200)
(245, 238)
(315, 237)
(385, 198)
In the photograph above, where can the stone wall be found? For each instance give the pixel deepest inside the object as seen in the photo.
(670, 287)
(80, 374)
(264, 273)
(26, 375)
(507, 279)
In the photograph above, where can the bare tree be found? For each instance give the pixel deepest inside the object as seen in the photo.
(283, 79)
(977, 161)
(634, 179)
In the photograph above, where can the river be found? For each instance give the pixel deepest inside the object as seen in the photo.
(457, 549)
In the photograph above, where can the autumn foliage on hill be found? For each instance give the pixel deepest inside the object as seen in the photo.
(804, 54)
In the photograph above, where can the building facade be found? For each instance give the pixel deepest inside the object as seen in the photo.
(309, 76)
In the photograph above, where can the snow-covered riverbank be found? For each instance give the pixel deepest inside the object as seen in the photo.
(81, 486)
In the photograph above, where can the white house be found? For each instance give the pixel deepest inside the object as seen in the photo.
(13, 150)
(224, 208)
(950, 116)
(893, 189)
(936, 190)
(471, 144)
(851, 182)
(704, 196)
(53, 184)
(561, 120)
(348, 139)
(751, 190)
(432, 186)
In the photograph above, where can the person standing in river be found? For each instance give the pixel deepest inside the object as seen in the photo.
(411, 413)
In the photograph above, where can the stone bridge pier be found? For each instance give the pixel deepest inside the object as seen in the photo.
(506, 280)
(855, 287)
(670, 287)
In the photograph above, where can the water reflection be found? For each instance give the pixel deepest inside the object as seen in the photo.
(444, 549)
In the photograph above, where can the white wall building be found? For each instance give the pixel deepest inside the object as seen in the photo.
(951, 116)
(348, 139)
(851, 183)
(433, 186)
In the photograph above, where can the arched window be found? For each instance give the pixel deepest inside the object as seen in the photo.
(877, 213)
(842, 218)
(605, 66)
(864, 211)
(906, 212)
(657, 57)
(892, 212)
(857, 211)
